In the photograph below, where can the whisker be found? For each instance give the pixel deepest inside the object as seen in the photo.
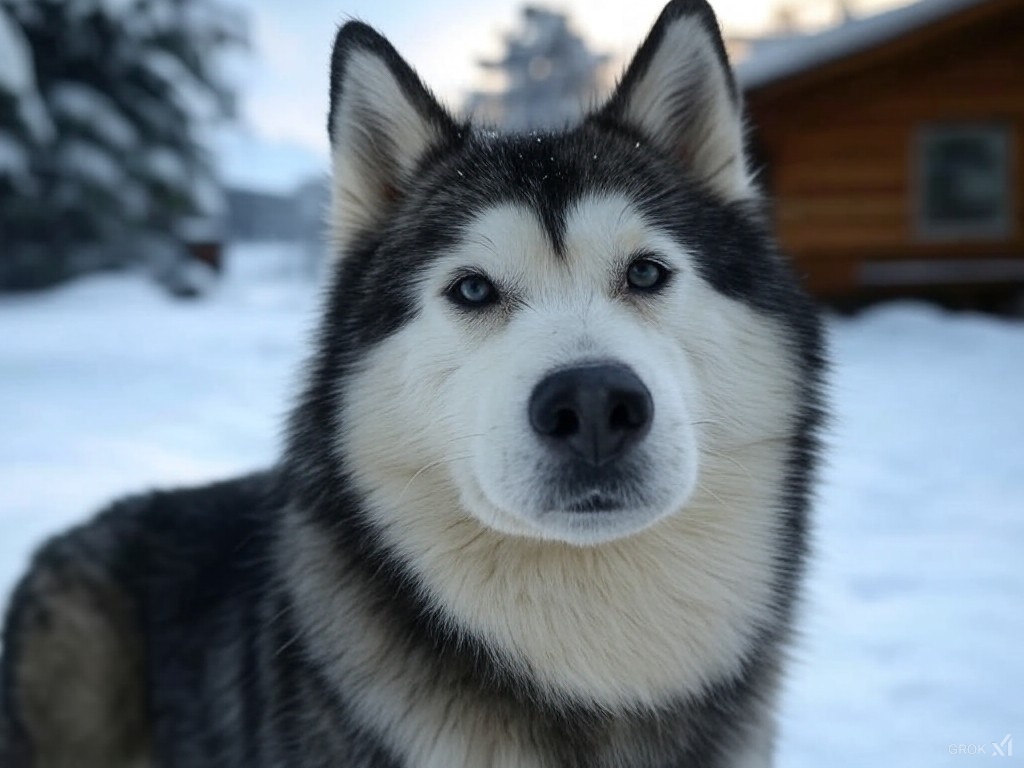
(762, 441)
(426, 467)
(714, 495)
(731, 460)
(287, 644)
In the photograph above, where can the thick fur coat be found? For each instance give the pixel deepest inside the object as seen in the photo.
(544, 497)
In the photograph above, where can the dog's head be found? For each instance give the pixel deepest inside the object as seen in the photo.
(557, 334)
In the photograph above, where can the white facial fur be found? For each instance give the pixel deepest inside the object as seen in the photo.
(574, 310)
(567, 310)
(662, 598)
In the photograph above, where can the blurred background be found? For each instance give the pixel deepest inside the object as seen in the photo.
(162, 182)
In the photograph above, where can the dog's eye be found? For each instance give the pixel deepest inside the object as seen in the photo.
(473, 291)
(646, 275)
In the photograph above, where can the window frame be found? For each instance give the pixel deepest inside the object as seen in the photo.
(997, 229)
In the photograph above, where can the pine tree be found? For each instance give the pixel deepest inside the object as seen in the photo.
(24, 129)
(125, 88)
(550, 75)
(19, 104)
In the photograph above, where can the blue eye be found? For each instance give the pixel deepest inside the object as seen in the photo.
(473, 291)
(646, 275)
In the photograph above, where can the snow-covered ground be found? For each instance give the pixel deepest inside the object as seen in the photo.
(915, 621)
(108, 385)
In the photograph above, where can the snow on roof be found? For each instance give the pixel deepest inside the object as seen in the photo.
(776, 59)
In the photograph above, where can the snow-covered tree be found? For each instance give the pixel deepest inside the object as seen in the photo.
(23, 122)
(549, 75)
(103, 109)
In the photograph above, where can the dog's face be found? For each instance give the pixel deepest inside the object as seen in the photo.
(550, 332)
(562, 402)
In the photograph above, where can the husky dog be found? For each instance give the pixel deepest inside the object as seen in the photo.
(544, 498)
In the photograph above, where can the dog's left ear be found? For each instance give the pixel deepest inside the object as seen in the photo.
(679, 92)
(382, 122)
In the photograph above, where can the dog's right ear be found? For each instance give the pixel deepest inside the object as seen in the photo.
(382, 122)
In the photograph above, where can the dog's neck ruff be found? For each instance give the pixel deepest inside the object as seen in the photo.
(627, 625)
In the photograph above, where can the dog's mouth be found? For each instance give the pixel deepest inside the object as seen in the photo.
(581, 489)
(587, 514)
(593, 502)
(597, 515)
(574, 502)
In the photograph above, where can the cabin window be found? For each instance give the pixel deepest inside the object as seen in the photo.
(964, 181)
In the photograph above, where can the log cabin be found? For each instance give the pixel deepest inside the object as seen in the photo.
(893, 149)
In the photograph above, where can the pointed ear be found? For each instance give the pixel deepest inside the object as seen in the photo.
(679, 93)
(382, 122)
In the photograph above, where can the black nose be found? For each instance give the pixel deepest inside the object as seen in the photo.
(594, 412)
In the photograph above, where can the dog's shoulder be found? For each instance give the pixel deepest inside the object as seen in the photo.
(79, 627)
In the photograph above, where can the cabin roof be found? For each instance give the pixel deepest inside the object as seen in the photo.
(778, 58)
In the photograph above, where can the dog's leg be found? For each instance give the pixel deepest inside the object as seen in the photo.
(74, 667)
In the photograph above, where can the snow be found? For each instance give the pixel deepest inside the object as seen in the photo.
(109, 385)
(913, 623)
(777, 59)
(13, 158)
(164, 164)
(89, 107)
(93, 162)
(16, 75)
(36, 117)
(208, 193)
(188, 93)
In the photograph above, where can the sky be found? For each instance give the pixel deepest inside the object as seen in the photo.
(281, 139)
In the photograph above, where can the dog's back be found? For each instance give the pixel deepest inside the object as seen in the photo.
(140, 626)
